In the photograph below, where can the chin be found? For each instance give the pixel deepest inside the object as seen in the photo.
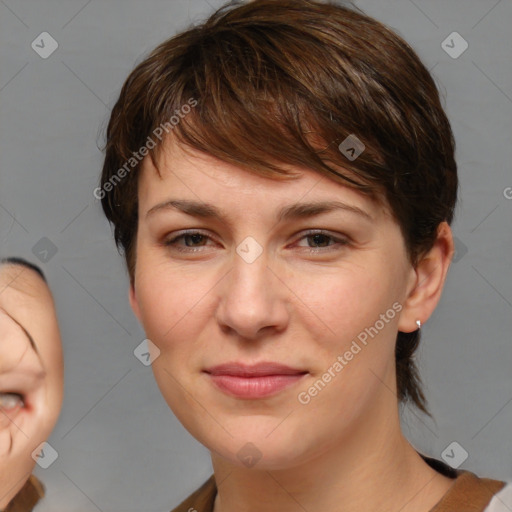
(256, 456)
(257, 445)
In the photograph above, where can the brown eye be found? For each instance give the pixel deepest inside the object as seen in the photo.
(323, 240)
(189, 241)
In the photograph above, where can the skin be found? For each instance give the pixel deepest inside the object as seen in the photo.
(342, 451)
(26, 306)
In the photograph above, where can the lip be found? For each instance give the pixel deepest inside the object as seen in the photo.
(253, 370)
(254, 381)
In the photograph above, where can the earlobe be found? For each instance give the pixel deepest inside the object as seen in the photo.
(134, 303)
(430, 276)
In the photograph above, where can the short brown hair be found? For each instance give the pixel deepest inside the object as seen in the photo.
(286, 82)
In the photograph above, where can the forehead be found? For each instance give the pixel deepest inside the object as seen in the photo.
(22, 295)
(11, 330)
(18, 282)
(14, 343)
(25, 297)
(27, 300)
(199, 176)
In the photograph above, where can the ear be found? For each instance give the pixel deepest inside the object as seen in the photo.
(134, 303)
(427, 281)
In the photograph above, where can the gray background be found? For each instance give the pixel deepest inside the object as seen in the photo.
(119, 446)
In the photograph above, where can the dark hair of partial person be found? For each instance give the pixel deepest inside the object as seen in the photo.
(285, 82)
(14, 260)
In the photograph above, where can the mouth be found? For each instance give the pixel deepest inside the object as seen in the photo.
(254, 381)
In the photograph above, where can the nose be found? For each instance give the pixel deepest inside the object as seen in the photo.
(253, 299)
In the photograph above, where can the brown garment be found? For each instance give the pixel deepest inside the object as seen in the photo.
(468, 493)
(27, 497)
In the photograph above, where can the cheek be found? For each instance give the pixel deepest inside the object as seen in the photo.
(338, 304)
(172, 306)
(16, 462)
(51, 352)
(348, 336)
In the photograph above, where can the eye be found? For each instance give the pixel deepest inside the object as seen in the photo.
(10, 401)
(322, 240)
(193, 241)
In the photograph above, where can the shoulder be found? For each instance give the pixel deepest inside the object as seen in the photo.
(201, 500)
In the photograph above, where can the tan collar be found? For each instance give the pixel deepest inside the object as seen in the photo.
(468, 493)
(27, 497)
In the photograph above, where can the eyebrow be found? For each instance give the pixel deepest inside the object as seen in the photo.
(293, 211)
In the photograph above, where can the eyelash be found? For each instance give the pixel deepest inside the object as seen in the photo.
(172, 243)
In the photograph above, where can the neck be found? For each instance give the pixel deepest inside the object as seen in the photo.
(371, 468)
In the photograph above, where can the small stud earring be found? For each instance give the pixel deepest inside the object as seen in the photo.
(418, 323)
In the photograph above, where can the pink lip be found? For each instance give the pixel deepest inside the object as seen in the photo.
(254, 381)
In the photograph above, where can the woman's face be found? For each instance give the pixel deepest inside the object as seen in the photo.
(256, 286)
(31, 373)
